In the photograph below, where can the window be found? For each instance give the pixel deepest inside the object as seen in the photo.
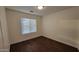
(28, 25)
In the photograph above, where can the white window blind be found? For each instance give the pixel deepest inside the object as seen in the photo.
(28, 25)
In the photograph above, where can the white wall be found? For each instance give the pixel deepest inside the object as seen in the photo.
(62, 26)
(77, 33)
(14, 29)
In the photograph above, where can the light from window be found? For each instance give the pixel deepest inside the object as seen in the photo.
(28, 25)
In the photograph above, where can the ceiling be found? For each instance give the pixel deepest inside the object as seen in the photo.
(47, 10)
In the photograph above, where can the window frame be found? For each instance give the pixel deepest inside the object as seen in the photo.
(29, 26)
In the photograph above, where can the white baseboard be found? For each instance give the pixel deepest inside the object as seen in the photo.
(24, 39)
(77, 45)
(4, 50)
(65, 41)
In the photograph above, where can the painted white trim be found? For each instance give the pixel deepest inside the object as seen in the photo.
(4, 50)
(66, 41)
(4, 28)
(24, 39)
(77, 45)
(1, 38)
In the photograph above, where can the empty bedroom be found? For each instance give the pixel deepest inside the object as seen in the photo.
(41, 28)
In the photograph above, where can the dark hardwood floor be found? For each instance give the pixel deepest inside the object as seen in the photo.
(41, 44)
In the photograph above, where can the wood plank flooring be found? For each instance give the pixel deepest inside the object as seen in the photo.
(41, 44)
